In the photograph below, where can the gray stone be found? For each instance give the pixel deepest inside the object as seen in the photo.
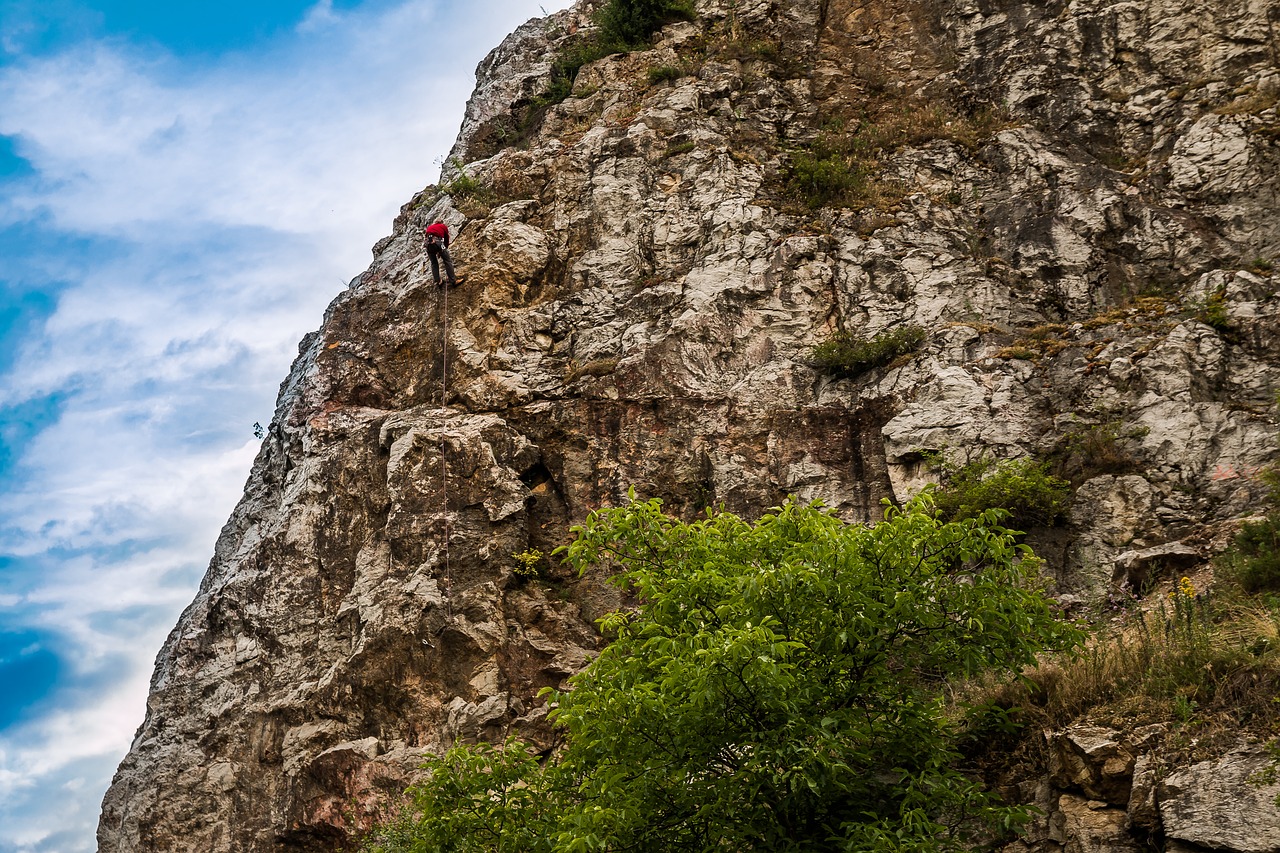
(1215, 804)
(1136, 568)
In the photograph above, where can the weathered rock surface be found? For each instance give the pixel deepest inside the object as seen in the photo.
(1221, 805)
(1110, 791)
(644, 287)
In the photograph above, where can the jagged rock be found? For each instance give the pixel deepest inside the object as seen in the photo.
(1217, 805)
(1112, 512)
(1142, 796)
(1136, 568)
(1090, 826)
(1098, 761)
(645, 285)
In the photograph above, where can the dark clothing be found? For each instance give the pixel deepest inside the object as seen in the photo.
(437, 250)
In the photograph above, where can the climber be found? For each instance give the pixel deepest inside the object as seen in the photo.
(437, 248)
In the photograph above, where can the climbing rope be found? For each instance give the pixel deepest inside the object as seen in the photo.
(444, 470)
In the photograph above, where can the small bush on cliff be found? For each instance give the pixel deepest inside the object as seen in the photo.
(629, 23)
(1085, 450)
(1213, 311)
(1022, 487)
(847, 356)
(1253, 560)
(776, 688)
(824, 176)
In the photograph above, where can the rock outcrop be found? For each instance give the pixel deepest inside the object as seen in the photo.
(1075, 201)
(1111, 791)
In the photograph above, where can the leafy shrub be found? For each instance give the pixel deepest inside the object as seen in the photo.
(1213, 311)
(621, 26)
(463, 186)
(1022, 487)
(631, 22)
(777, 688)
(847, 356)
(824, 176)
(665, 74)
(1253, 561)
(478, 798)
(470, 196)
(1087, 450)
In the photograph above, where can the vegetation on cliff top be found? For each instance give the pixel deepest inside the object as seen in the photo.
(621, 26)
(777, 688)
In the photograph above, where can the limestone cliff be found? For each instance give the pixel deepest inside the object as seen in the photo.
(1075, 200)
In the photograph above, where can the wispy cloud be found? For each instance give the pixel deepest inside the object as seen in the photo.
(190, 220)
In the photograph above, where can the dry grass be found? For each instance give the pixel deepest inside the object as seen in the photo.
(843, 166)
(1207, 666)
(1249, 103)
(597, 368)
(1018, 352)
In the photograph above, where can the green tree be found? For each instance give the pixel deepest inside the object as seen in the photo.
(478, 799)
(777, 686)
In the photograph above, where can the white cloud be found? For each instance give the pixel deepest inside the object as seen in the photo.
(318, 17)
(219, 207)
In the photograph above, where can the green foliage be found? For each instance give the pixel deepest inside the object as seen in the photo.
(664, 74)
(631, 22)
(776, 689)
(470, 196)
(679, 148)
(622, 25)
(476, 799)
(1213, 311)
(527, 563)
(840, 167)
(1253, 561)
(846, 356)
(1022, 487)
(1018, 352)
(824, 175)
(565, 65)
(1088, 449)
(463, 186)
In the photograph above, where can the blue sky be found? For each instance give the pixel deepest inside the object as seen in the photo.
(183, 188)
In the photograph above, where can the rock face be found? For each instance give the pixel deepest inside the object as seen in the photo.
(1075, 201)
(1109, 791)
